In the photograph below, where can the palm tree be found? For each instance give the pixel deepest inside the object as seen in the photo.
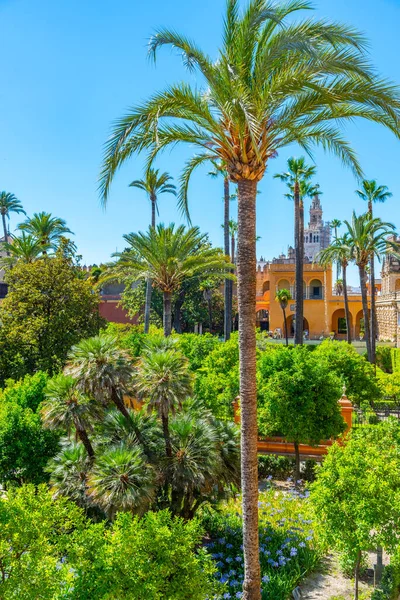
(220, 169)
(168, 256)
(233, 229)
(153, 184)
(66, 407)
(121, 480)
(367, 240)
(335, 224)
(275, 82)
(297, 178)
(69, 470)
(371, 192)
(8, 204)
(283, 297)
(48, 230)
(24, 248)
(339, 252)
(163, 379)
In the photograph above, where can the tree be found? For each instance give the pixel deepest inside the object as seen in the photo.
(67, 408)
(274, 83)
(335, 224)
(283, 297)
(366, 238)
(296, 179)
(164, 381)
(371, 192)
(49, 307)
(48, 230)
(356, 495)
(69, 470)
(300, 402)
(153, 184)
(169, 256)
(339, 252)
(9, 204)
(24, 248)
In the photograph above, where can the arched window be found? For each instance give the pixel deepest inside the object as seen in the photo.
(316, 290)
(265, 287)
(317, 238)
(283, 284)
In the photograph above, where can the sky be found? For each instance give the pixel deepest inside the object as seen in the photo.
(70, 68)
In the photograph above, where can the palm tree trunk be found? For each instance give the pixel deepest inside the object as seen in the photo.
(177, 311)
(227, 283)
(285, 325)
(209, 306)
(147, 305)
(364, 298)
(298, 334)
(346, 303)
(167, 438)
(233, 251)
(3, 216)
(246, 270)
(167, 318)
(83, 436)
(373, 311)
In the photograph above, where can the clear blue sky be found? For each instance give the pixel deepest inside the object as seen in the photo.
(69, 68)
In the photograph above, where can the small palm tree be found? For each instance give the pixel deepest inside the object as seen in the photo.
(341, 253)
(153, 184)
(164, 380)
(367, 239)
(24, 248)
(371, 193)
(66, 407)
(69, 471)
(283, 296)
(335, 224)
(296, 178)
(168, 256)
(9, 204)
(121, 480)
(48, 230)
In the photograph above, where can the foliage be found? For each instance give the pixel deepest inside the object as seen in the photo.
(384, 358)
(47, 230)
(353, 370)
(389, 585)
(357, 492)
(288, 549)
(274, 467)
(48, 309)
(395, 353)
(27, 392)
(197, 348)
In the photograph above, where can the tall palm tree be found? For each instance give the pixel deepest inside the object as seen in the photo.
(163, 379)
(24, 248)
(339, 252)
(296, 178)
(9, 204)
(153, 184)
(121, 480)
(366, 238)
(66, 407)
(275, 82)
(283, 297)
(371, 192)
(219, 168)
(335, 224)
(48, 230)
(233, 229)
(168, 256)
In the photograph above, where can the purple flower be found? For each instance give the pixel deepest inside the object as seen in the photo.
(265, 579)
(293, 551)
(239, 594)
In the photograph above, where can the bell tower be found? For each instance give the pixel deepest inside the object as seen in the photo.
(315, 213)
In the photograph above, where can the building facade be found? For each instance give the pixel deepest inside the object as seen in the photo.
(388, 301)
(317, 236)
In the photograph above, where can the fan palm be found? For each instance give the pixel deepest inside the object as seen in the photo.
(335, 224)
(164, 380)
(283, 296)
(339, 252)
(121, 480)
(117, 429)
(48, 230)
(296, 178)
(69, 470)
(153, 184)
(275, 82)
(168, 256)
(371, 192)
(367, 239)
(24, 248)
(9, 204)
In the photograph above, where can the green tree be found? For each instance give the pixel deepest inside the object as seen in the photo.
(48, 230)
(24, 248)
(357, 492)
(168, 256)
(9, 204)
(164, 381)
(153, 184)
(334, 225)
(274, 82)
(28, 392)
(48, 309)
(69, 471)
(297, 180)
(366, 238)
(300, 402)
(283, 296)
(371, 193)
(340, 252)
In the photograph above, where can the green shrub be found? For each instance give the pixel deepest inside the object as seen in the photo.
(197, 348)
(389, 585)
(395, 354)
(27, 392)
(277, 467)
(384, 358)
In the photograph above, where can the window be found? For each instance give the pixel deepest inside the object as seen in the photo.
(342, 325)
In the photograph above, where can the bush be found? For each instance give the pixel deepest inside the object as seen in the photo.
(277, 467)
(384, 358)
(395, 354)
(197, 348)
(389, 585)
(27, 392)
